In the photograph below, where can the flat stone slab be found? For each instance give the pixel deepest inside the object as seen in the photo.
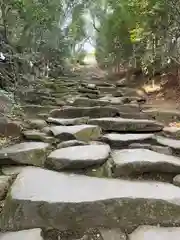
(68, 121)
(127, 125)
(31, 234)
(80, 132)
(172, 143)
(156, 233)
(76, 112)
(165, 116)
(71, 143)
(36, 135)
(78, 157)
(117, 140)
(30, 153)
(86, 102)
(155, 148)
(129, 161)
(43, 198)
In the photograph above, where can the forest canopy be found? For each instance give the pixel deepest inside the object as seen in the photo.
(143, 34)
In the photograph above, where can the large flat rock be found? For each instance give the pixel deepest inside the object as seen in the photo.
(31, 234)
(43, 198)
(68, 121)
(30, 153)
(155, 148)
(86, 102)
(156, 233)
(126, 125)
(169, 142)
(78, 157)
(75, 112)
(129, 161)
(163, 115)
(36, 135)
(120, 102)
(117, 140)
(80, 132)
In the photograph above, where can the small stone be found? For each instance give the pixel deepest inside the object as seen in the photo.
(43, 116)
(9, 128)
(31, 153)
(30, 234)
(37, 123)
(169, 142)
(78, 157)
(121, 82)
(173, 132)
(71, 143)
(86, 102)
(34, 135)
(88, 90)
(78, 132)
(156, 233)
(176, 180)
(46, 130)
(112, 234)
(5, 182)
(38, 136)
(68, 121)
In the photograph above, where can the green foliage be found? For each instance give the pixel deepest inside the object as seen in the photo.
(139, 33)
(134, 33)
(51, 28)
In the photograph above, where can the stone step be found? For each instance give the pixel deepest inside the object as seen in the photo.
(43, 198)
(138, 161)
(115, 102)
(35, 135)
(119, 141)
(29, 153)
(172, 143)
(76, 112)
(156, 148)
(83, 132)
(78, 157)
(36, 123)
(163, 115)
(33, 110)
(126, 125)
(68, 121)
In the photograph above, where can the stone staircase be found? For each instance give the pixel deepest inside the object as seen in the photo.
(100, 167)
